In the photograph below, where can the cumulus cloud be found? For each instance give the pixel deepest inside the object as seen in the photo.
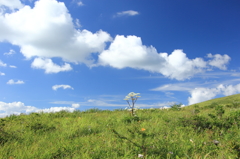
(11, 4)
(2, 64)
(130, 52)
(203, 94)
(219, 61)
(55, 87)
(47, 30)
(75, 105)
(230, 89)
(2, 74)
(49, 66)
(11, 52)
(17, 108)
(11, 81)
(127, 13)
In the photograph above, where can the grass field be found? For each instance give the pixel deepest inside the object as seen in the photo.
(206, 130)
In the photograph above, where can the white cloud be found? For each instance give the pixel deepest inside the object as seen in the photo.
(80, 3)
(11, 52)
(15, 108)
(12, 66)
(19, 107)
(55, 87)
(237, 74)
(102, 103)
(49, 66)
(56, 109)
(127, 13)
(2, 74)
(230, 89)
(75, 105)
(77, 23)
(47, 30)
(219, 61)
(11, 4)
(130, 52)
(176, 87)
(3, 64)
(157, 105)
(203, 94)
(62, 102)
(11, 81)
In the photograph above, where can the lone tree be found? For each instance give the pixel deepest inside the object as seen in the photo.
(131, 99)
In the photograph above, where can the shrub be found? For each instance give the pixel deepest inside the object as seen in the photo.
(7, 136)
(235, 104)
(196, 122)
(196, 110)
(93, 110)
(219, 110)
(40, 127)
(212, 105)
(84, 131)
(62, 152)
(130, 119)
(176, 107)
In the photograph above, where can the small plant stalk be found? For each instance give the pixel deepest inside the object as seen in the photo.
(133, 97)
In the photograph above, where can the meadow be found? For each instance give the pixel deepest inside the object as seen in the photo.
(205, 130)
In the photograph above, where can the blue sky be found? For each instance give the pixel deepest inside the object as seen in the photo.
(76, 55)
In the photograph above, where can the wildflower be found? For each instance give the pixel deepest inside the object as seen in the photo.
(131, 99)
(126, 98)
(140, 156)
(132, 94)
(191, 140)
(143, 129)
(216, 142)
(89, 128)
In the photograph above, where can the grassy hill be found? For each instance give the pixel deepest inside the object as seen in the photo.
(205, 130)
(222, 100)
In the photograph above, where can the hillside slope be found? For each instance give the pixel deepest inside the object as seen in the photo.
(204, 131)
(223, 100)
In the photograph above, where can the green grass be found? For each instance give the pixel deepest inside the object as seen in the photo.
(190, 132)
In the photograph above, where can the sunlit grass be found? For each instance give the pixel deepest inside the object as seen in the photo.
(155, 133)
